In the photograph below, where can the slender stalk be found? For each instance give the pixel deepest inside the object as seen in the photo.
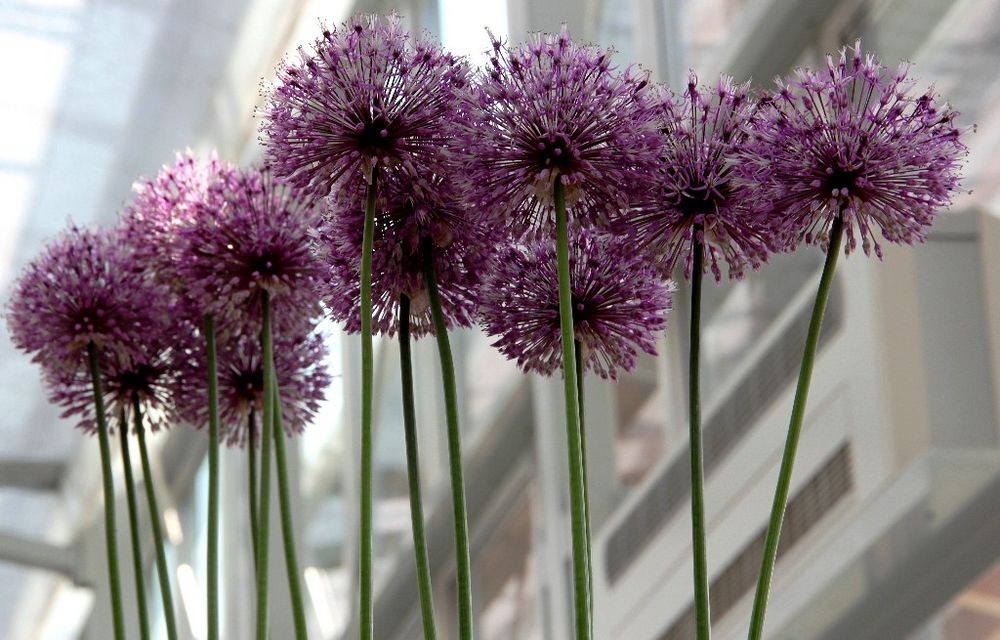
(213, 480)
(577, 483)
(253, 498)
(794, 430)
(367, 627)
(462, 561)
(424, 585)
(133, 522)
(110, 529)
(699, 534)
(266, 438)
(578, 353)
(166, 593)
(287, 528)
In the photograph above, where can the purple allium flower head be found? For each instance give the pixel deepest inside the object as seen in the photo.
(697, 196)
(619, 303)
(257, 240)
(300, 368)
(85, 287)
(410, 218)
(551, 110)
(364, 94)
(149, 378)
(855, 140)
(168, 201)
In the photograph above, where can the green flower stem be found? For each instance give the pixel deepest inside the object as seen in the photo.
(424, 585)
(213, 480)
(699, 534)
(794, 430)
(577, 482)
(578, 353)
(266, 438)
(367, 628)
(166, 593)
(252, 496)
(110, 529)
(133, 522)
(287, 528)
(462, 560)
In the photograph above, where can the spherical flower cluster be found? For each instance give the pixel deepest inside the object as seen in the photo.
(552, 110)
(409, 221)
(256, 240)
(300, 368)
(149, 379)
(619, 303)
(854, 141)
(697, 197)
(364, 94)
(85, 288)
(168, 201)
(460, 168)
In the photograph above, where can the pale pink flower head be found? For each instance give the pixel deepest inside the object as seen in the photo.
(171, 199)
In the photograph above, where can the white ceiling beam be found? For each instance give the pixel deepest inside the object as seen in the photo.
(34, 475)
(34, 554)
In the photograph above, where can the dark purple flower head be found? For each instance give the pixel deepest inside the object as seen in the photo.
(854, 140)
(257, 240)
(619, 303)
(552, 110)
(148, 378)
(696, 195)
(300, 367)
(85, 287)
(168, 201)
(409, 219)
(364, 94)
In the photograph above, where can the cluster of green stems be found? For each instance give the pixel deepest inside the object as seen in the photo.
(576, 436)
(110, 525)
(259, 498)
(463, 561)
(272, 441)
(573, 383)
(272, 435)
(698, 527)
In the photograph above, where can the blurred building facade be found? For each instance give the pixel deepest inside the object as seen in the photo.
(892, 531)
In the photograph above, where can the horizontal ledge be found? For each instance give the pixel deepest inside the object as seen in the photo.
(34, 475)
(37, 555)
